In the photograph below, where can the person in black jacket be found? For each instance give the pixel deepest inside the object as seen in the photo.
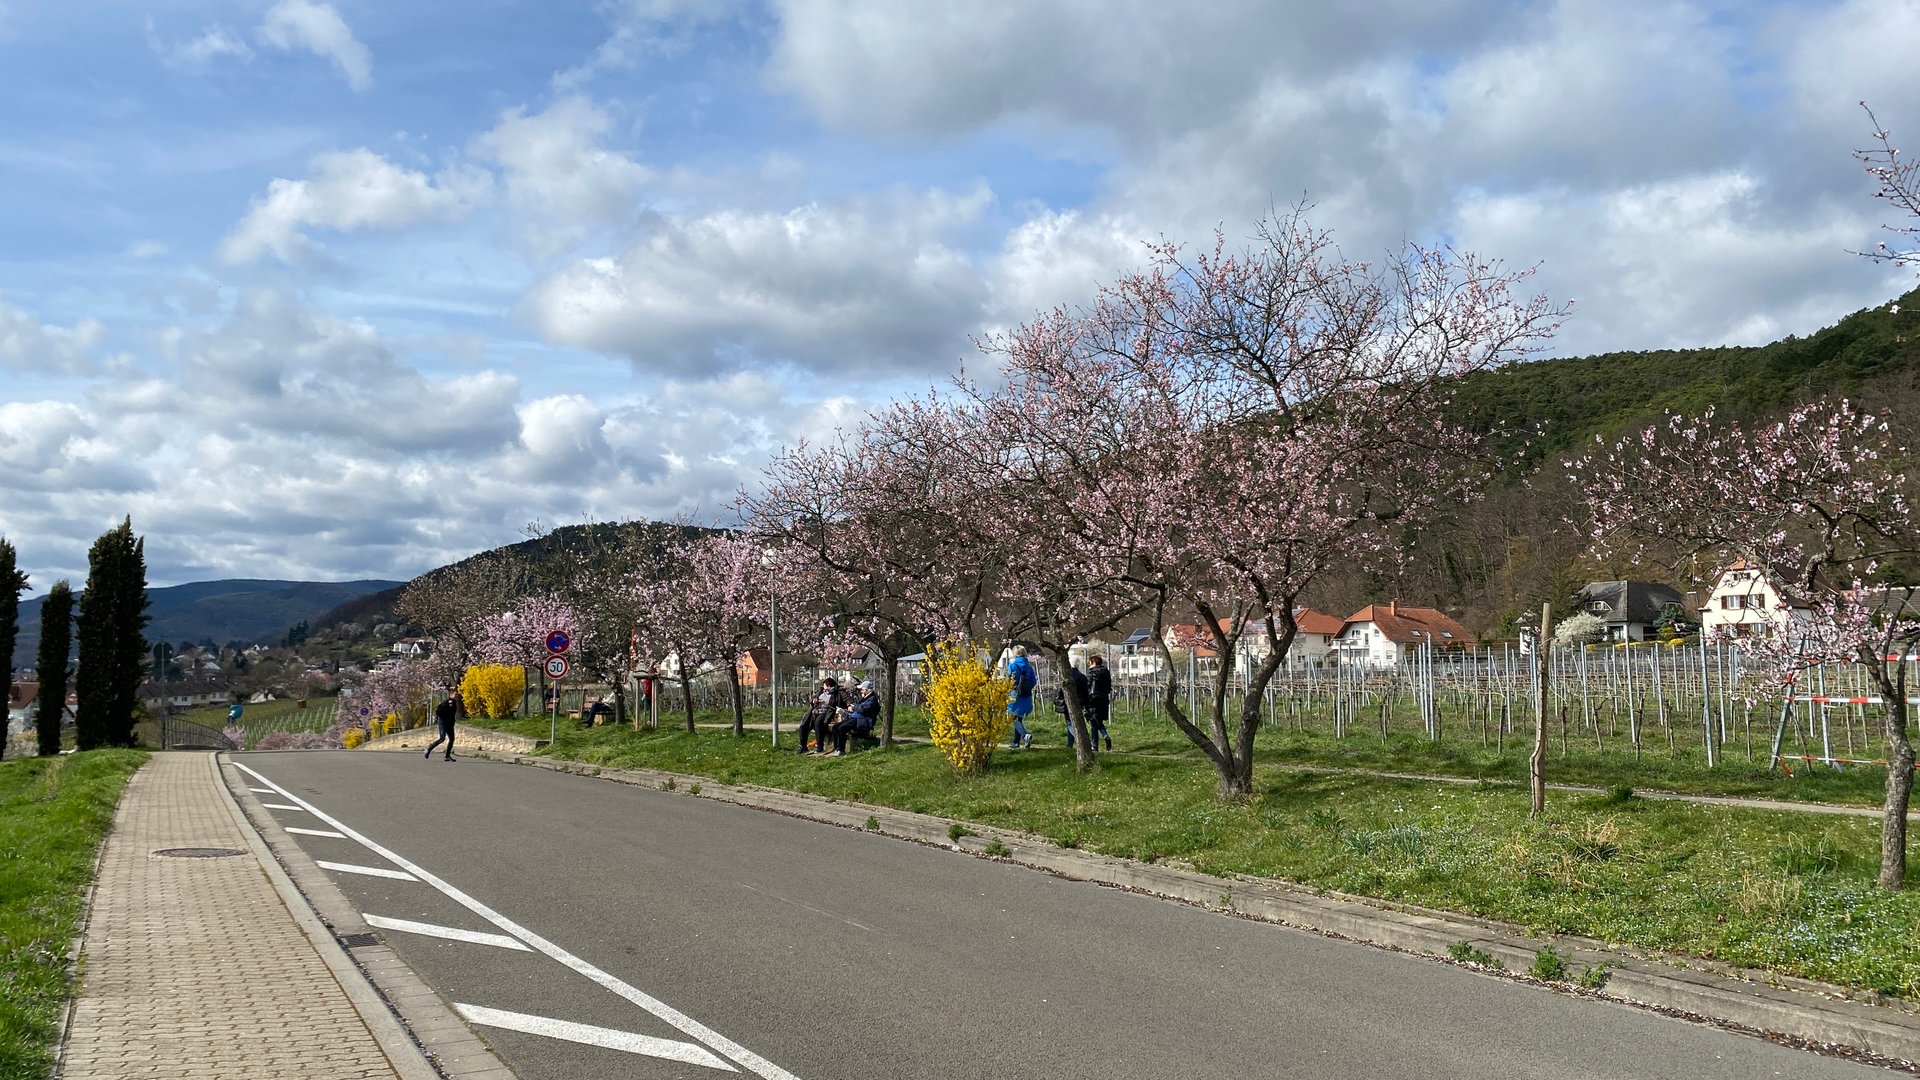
(447, 712)
(1076, 684)
(1099, 700)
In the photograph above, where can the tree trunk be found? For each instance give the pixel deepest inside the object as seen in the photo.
(890, 682)
(1083, 759)
(686, 694)
(739, 706)
(1893, 818)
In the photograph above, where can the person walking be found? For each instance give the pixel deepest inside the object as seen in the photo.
(1099, 699)
(1020, 698)
(1075, 684)
(447, 712)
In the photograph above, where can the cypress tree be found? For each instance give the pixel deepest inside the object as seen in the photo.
(12, 581)
(112, 644)
(56, 644)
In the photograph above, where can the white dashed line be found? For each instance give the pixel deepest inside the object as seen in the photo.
(687, 1024)
(369, 871)
(452, 933)
(316, 832)
(669, 1049)
(278, 806)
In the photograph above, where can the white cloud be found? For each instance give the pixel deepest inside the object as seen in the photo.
(349, 190)
(1700, 260)
(319, 29)
(647, 28)
(558, 176)
(867, 285)
(213, 43)
(28, 345)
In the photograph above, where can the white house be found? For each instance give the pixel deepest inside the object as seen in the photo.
(1744, 600)
(1385, 636)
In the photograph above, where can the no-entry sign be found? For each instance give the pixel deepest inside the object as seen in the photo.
(556, 667)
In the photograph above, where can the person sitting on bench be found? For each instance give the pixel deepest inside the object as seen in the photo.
(858, 719)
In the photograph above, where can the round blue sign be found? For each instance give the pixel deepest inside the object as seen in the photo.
(558, 641)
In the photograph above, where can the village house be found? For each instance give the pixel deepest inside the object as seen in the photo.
(1629, 608)
(1388, 635)
(1743, 600)
(413, 648)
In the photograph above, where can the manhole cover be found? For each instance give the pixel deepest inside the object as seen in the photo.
(358, 941)
(198, 852)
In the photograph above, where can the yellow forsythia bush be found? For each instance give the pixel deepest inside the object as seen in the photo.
(967, 705)
(493, 689)
(353, 737)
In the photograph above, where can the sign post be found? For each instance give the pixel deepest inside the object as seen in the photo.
(557, 644)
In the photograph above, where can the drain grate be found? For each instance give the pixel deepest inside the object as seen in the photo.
(358, 941)
(198, 852)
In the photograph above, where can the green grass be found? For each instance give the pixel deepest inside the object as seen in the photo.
(53, 814)
(1777, 890)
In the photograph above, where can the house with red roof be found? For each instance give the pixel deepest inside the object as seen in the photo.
(1386, 635)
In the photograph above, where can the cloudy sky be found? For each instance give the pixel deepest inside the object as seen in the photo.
(351, 289)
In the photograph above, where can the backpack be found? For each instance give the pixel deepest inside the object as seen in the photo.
(1023, 679)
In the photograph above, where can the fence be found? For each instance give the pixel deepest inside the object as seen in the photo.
(1677, 699)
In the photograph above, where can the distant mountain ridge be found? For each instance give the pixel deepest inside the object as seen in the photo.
(236, 609)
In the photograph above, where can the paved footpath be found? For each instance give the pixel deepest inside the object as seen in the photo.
(194, 967)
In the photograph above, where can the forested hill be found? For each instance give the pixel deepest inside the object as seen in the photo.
(239, 609)
(1872, 354)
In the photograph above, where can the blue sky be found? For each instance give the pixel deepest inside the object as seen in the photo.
(331, 290)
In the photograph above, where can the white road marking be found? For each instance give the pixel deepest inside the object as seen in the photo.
(370, 871)
(316, 832)
(690, 1053)
(261, 790)
(661, 1009)
(279, 806)
(453, 933)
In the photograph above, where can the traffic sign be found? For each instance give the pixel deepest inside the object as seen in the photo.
(558, 642)
(556, 667)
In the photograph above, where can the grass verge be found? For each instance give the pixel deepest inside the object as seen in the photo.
(53, 814)
(1777, 890)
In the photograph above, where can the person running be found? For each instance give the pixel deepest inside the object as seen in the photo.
(1020, 698)
(1099, 700)
(818, 721)
(447, 712)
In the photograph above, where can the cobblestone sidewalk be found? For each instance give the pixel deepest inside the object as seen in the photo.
(193, 967)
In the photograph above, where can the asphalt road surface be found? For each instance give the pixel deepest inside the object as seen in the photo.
(612, 931)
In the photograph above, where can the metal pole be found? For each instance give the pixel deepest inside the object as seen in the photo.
(773, 663)
(1537, 766)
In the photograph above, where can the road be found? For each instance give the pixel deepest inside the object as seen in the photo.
(616, 931)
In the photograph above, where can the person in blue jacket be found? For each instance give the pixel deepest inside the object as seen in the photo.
(1020, 699)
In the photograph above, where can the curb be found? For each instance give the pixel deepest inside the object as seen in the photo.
(1800, 1012)
(419, 1032)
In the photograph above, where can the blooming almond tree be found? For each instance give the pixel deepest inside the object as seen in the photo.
(869, 554)
(1215, 434)
(1819, 503)
(517, 636)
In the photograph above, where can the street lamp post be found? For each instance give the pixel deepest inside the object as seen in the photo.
(767, 562)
